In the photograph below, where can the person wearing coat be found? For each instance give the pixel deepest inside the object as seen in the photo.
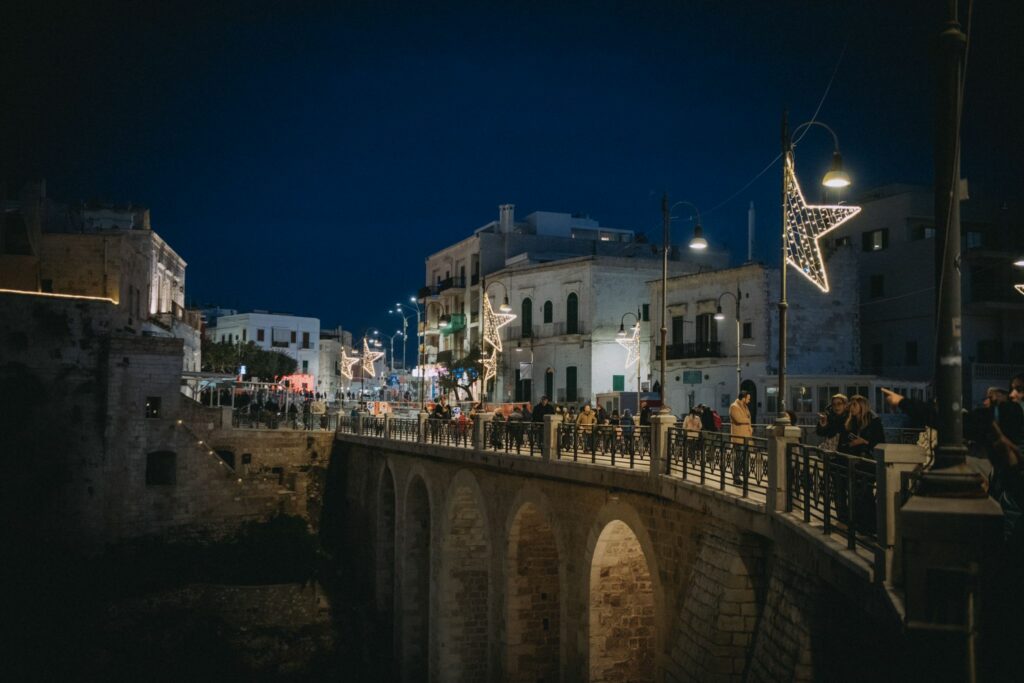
(862, 431)
(740, 430)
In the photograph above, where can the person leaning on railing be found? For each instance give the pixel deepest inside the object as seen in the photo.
(831, 422)
(862, 431)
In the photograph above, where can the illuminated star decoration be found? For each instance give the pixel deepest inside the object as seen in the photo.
(805, 225)
(1019, 288)
(631, 344)
(347, 362)
(494, 322)
(490, 364)
(368, 358)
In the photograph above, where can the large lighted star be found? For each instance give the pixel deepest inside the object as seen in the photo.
(805, 225)
(490, 364)
(347, 362)
(368, 359)
(632, 345)
(494, 322)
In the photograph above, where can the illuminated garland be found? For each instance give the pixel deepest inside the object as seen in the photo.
(490, 364)
(494, 322)
(805, 225)
(368, 359)
(347, 362)
(632, 345)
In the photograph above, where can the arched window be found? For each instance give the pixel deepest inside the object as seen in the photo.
(572, 314)
(549, 312)
(527, 317)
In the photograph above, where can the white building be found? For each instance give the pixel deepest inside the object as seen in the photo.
(330, 381)
(456, 276)
(296, 336)
(823, 340)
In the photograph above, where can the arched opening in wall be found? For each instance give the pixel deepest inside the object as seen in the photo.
(533, 600)
(462, 623)
(385, 538)
(416, 583)
(622, 625)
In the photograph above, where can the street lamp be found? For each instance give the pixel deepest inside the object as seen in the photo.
(391, 338)
(697, 243)
(803, 225)
(631, 342)
(721, 316)
(399, 309)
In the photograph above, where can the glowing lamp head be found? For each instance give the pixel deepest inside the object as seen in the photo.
(1019, 262)
(836, 176)
(622, 331)
(698, 243)
(504, 307)
(719, 315)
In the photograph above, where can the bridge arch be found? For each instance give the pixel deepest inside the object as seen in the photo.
(415, 577)
(534, 621)
(464, 582)
(623, 597)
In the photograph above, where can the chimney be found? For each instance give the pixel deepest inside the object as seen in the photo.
(750, 233)
(506, 217)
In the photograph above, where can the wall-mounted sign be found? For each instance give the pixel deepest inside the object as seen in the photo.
(692, 376)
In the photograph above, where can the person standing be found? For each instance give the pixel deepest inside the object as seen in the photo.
(740, 431)
(692, 423)
(862, 431)
(543, 408)
(831, 422)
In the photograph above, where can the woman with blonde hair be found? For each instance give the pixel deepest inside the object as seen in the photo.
(862, 431)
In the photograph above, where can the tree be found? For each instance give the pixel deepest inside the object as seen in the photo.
(461, 373)
(227, 357)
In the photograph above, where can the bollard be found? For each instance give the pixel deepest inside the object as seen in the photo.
(660, 423)
(478, 429)
(780, 435)
(549, 439)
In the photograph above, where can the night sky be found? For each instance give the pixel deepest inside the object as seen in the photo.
(306, 157)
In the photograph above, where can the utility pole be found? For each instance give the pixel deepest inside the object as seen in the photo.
(950, 450)
(665, 230)
(783, 418)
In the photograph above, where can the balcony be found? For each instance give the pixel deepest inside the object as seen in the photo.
(453, 285)
(457, 323)
(691, 350)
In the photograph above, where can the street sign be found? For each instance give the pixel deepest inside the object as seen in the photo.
(692, 376)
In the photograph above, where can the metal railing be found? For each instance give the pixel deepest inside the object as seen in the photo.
(514, 437)
(372, 425)
(403, 429)
(834, 489)
(450, 432)
(615, 445)
(738, 464)
(348, 424)
(244, 418)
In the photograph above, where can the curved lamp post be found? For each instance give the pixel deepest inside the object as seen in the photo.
(631, 342)
(697, 243)
(721, 316)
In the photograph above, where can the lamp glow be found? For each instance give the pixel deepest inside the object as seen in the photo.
(719, 315)
(836, 176)
(698, 243)
(630, 343)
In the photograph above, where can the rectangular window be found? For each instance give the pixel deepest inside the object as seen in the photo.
(921, 232)
(259, 334)
(646, 314)
(748, 330)
(570, 384)
(911, 356)
(279, 337)
(245, 334)
(161, 468)
(876, 287)
(707, 329)
(843, 241)
(677, 329)
(305, 340)
(305, 367)
(293, 336)
(618, 382)
(875, 240)
(153, 406)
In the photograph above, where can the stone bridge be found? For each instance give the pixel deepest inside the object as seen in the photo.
(487, 564)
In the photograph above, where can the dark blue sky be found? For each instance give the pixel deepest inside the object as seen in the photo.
(306, 156)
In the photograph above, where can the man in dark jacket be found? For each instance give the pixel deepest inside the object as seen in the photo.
(543, 408)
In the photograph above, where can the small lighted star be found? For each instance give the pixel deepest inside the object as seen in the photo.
(368, 359)
(347, 362)
(494, 322)
(631, 343)
(805, 225)
(490, 364)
